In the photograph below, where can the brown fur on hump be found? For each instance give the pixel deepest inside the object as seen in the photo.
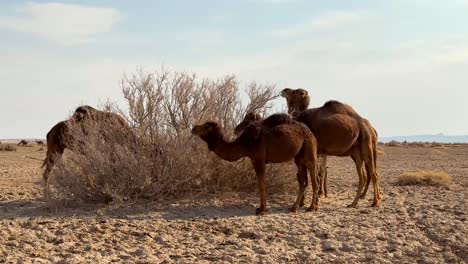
(336, 107)
(248, 119)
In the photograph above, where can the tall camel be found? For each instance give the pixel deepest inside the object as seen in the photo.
(60, 136)
(275, 140)
(340, 131)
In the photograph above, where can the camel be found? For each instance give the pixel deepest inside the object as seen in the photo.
(340, 131)
(39, 142)
(255, 118)
(60, 137)
(277, 139)
(23, 143)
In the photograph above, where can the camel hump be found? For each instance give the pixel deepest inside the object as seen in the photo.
(276, 120)
(337, 107)
(333, 103)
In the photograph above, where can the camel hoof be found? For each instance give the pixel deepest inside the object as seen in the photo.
(261, 212)
(376, 204)
(312, 208)
(301, 204)
(352, 205)
(292, 209)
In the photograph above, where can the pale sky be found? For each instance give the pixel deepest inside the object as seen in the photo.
(403, 64)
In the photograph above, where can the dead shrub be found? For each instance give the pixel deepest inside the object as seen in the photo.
(7, 147)
(393, 143)
(160, 158)
(423, 177)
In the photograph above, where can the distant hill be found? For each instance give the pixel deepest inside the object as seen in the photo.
(441, 138)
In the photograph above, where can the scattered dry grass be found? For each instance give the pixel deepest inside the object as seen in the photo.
(380, 151)
(7, 147)
(423, 177)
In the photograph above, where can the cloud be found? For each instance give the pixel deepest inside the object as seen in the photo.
(62, 23)
(326, 20)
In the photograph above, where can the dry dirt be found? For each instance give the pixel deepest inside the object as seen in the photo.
(415, 224)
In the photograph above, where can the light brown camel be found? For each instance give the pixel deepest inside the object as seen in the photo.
(340, 131)
(277, 139)
(60, 136)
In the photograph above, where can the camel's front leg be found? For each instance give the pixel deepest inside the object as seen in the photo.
(259, 167)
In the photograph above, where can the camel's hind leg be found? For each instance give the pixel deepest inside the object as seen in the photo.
(302, 180)
(260, 168)
(323, 190)
(368, 159)
(356, 155)
(368, 179)
(312, 165)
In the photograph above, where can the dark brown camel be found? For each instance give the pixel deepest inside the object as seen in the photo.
(60, 136)
(340, 131)
(277, 139)
(23, 143)
(255, 118)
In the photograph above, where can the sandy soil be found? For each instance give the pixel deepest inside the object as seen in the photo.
(420, 224)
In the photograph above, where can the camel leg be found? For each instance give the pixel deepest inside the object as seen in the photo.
(368, 179)
(375, 180)
(259, 167)
(314, 178)
(323, 176)
(312, 163)
(368, 152)
(302, 180)
(358, 162)
(45, 176)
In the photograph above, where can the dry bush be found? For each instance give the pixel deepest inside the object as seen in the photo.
(7, 147)
(417, 144)
(393, 143)
(439, 178)
(160, 158)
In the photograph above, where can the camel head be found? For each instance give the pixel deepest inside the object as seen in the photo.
(248, 119)
(206, 130)
(298, 100)
(83, 112)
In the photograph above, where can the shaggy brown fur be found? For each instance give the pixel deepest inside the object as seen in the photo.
(278, 139)
(340, 131)
(59, 137)
(248, 119)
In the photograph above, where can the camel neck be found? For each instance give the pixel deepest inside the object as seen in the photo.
(230, 151)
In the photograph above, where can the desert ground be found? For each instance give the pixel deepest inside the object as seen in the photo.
(415, 224)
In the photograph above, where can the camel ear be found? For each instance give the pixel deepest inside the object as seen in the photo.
(285, 92)
(304, 93)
